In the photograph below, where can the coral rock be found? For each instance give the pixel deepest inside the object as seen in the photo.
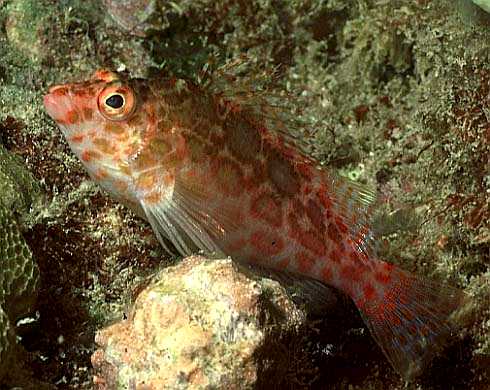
(199, 324)
(19, 275)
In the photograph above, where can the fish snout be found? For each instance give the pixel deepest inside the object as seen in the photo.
(59, 104)
(53, 106)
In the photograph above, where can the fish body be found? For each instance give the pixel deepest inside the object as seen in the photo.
(215, 172)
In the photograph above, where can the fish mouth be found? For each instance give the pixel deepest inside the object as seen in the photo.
(56, 103)
(51, 105)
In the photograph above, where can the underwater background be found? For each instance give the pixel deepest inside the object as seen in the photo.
(396, 95)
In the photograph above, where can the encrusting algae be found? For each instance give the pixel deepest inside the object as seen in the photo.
(219, 173)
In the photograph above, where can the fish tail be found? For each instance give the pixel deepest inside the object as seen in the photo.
(409, 317)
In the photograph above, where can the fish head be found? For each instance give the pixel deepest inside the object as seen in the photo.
(108, 121)
(85, 107)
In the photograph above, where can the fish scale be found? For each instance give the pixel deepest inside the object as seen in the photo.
(216, 172)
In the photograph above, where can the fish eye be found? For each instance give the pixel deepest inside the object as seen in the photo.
(116, 102)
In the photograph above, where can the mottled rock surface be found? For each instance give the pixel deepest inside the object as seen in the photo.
(19, 275)
(132, 16)
(397, 96)
(200, 324)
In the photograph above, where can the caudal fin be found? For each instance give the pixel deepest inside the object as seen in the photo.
(410, 319)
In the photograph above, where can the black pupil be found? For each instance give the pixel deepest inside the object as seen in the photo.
(115, 101)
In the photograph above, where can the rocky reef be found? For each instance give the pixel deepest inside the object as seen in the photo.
(19, 274)
(395, 95)
(199, 324)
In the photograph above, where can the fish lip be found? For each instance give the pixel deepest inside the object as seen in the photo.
(51, 105)
(57, 102)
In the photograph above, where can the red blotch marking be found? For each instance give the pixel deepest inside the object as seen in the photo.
(395, 320)
(402, 338)
(424, 329)
(369, 292)
(191, 174)
(335, 256)
(341, 225)
(87, 113)
(72, 117)
(307, 238)
(407, 314)
(412, 329)
(358, 257)
(59, 90)
(305, 262)
(305, 170)
(333, 233)
(266, 208)
(311, 241)
(266, 243)
(89, 155)
(324, 198)
(388, 267)
(402, 298)
(350, 272)
(354, 256)
(104, 75)
(77, 138)
(382, 277)
(328, 214)
(315, 215)
(386, 311)
(327, 274)
(83, 93)
(267, 135)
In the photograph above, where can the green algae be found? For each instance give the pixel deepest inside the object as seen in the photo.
(24, 22)
(397, 95)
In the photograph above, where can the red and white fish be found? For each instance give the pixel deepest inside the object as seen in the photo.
(215, 172)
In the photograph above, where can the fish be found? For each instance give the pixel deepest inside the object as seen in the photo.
(216, 169)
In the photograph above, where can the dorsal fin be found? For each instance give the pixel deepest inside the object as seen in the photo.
(239, 84)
